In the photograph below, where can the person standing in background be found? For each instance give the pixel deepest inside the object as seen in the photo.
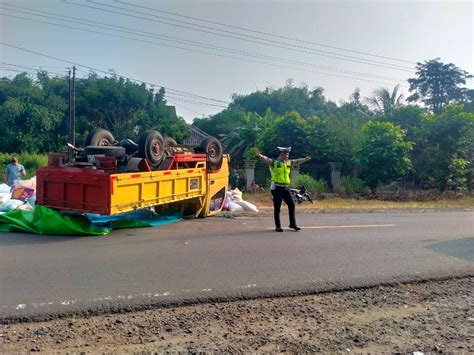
(234, 178)
(14, 171)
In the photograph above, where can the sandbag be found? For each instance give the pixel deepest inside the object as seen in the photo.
(234, 207)
(5, 197)
(11, 205)
(4, 188)
(236, 194)
(247, 206)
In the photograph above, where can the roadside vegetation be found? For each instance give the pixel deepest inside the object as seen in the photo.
(423, 142)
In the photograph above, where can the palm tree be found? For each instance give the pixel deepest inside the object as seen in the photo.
(383, 101)
(242, 138)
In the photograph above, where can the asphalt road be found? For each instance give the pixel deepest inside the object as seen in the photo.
(219, 258)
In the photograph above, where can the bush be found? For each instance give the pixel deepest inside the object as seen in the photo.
(312, 185)
(353, 185)
(31, 162)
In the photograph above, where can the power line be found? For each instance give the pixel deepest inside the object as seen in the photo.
(186, 108)
(191, 43)
(28, 71)
(99, 70)
(266, 33)
(248, 38)
(199, 51)
(38, 68)
(193, 102)
(103, 71)
(240, 34)
(178, 99)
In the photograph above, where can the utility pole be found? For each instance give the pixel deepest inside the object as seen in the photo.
(73, 108)
(72, 114)
(70, 152)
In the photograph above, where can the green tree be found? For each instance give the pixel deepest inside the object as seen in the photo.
(382, 154)
(125, 108)
(383, 101)
(286, 99)
(287, 130)
(239, 141)
(330, 139)
(469, 102)
(438, 84)
(30, 116)
(223, 122)
(444, 148)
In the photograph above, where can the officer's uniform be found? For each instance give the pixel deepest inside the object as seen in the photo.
(280, 186)
(280, 172)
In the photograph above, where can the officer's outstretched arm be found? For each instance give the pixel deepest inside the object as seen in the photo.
(261, 156)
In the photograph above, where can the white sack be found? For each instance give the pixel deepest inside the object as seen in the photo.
(247, 206)
(4, 188)
(234, 207)
(236, 194)
(11, 205)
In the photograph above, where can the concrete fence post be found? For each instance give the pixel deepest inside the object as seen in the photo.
(294, 173)
(335, 176)
(249, 166)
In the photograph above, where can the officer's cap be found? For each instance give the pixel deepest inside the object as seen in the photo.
(284, 149)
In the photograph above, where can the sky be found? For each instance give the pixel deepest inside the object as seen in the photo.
(204, 51)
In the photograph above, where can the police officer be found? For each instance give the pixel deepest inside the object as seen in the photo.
(280, 172)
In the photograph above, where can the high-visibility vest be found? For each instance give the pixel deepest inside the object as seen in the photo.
(280, 172)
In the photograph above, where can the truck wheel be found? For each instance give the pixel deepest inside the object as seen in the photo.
(214, 151)
(108, 151)
(168, 144)
(100, 137)
(150, 147)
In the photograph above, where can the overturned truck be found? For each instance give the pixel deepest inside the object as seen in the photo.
(109, 177)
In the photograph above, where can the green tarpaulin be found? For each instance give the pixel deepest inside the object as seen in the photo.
(43, 220)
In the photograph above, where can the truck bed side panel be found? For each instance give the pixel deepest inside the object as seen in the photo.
(138, 190)
(81, 190)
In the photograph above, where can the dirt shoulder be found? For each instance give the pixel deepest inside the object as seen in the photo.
(429, 316)
(334, 204)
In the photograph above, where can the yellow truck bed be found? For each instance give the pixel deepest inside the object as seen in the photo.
(194, 190)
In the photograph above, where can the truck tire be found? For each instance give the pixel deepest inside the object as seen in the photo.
(168, 144)
(213, 149)
(100, 137)
(108, 151)
(150, 147)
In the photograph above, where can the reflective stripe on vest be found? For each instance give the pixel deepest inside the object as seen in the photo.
(280, 172)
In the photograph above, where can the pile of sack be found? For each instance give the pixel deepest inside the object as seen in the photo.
(235, 203)
(22, 196)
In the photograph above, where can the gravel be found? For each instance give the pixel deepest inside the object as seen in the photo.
(435, 316)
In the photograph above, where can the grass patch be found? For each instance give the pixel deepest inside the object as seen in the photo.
(312, 185)
(263, 200)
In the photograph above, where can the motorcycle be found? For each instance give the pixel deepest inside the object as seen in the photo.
(300, 195)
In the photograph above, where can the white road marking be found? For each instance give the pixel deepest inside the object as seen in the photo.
(348, 226)
(68, 302)
(246, 286)
(92, 300)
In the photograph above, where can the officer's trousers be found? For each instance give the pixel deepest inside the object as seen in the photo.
(283, 193)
